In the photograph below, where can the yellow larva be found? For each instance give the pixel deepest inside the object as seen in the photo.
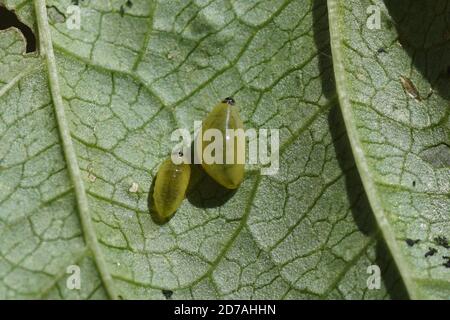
(170, 188)
(225, 116)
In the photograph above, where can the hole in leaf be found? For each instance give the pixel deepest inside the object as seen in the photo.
(9, 19)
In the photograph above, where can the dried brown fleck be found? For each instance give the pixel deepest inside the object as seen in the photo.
(410, 88)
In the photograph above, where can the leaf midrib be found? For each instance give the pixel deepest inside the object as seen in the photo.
(357, 149)
(92, 243)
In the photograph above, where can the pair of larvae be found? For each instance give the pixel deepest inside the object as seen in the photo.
(172, 179)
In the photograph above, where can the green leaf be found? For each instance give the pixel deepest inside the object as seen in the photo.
(401, 145)
(93, 112)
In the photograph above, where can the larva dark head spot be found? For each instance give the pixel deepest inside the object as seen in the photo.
(229, 100)
(180, 153)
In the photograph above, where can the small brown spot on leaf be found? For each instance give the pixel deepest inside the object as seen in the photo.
(410, 88)
(91, 176)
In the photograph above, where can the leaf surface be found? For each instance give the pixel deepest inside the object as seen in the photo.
(92, 114)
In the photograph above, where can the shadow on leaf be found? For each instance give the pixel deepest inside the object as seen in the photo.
(204, 192)
(425, 35)
(360, 207)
